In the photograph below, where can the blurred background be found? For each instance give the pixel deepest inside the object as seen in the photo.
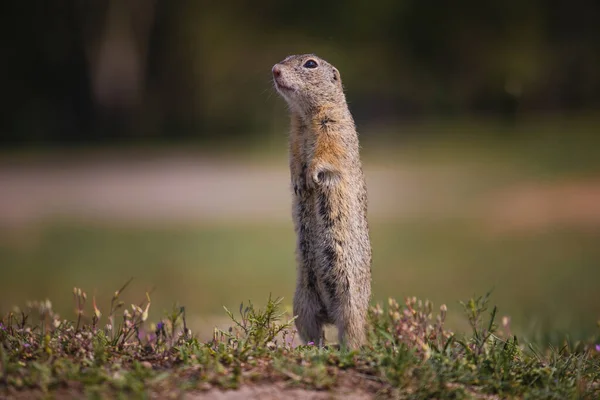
(144, 139)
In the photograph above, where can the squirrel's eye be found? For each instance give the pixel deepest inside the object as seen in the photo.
(311, 64)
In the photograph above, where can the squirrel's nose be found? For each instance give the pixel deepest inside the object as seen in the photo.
(276, 70)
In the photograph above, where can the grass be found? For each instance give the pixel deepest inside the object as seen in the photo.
(546, 282)
(410, 354)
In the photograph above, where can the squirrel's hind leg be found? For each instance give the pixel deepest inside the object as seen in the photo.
(310, 313)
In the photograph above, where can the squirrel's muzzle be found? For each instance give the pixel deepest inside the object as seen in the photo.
(276, 70)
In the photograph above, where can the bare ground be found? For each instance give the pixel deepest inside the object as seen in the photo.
(265, 391)
(277, 391)
(176, 189)
(533, 206)
(184, 188)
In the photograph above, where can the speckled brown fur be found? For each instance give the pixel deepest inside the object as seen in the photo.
(329, 202)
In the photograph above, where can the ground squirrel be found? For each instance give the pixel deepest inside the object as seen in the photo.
(329, 202)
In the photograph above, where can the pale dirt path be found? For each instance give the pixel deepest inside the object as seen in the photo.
(277, 391)
(183, 189)
(536, 206)
(176, 188)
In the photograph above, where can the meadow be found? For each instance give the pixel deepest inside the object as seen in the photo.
(545, 282)
(450, 220)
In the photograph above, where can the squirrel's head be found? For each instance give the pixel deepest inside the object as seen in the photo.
(307, 82)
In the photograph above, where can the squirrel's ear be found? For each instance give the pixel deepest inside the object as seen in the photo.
(336, 74)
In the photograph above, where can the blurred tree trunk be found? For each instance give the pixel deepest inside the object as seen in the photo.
(116, 34)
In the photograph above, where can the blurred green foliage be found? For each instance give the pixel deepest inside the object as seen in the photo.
(105, 69)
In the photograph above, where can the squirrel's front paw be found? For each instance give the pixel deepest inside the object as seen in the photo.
(319, 176)
(314, 178)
